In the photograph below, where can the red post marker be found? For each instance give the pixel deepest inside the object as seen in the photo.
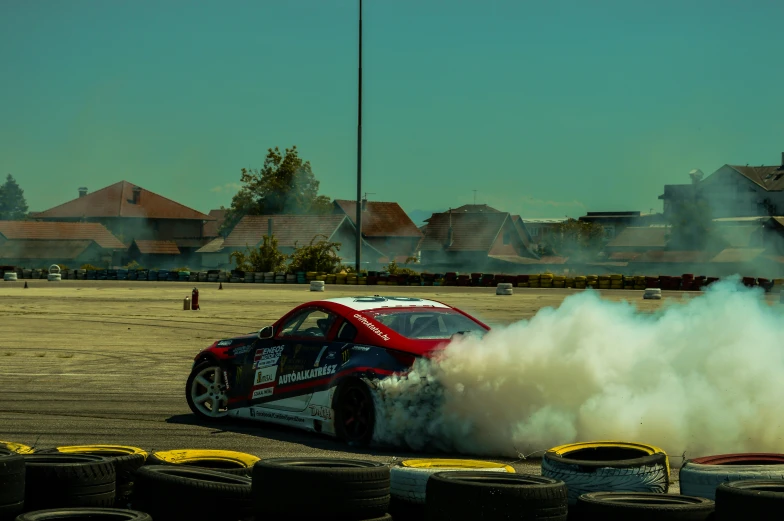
(195, 299)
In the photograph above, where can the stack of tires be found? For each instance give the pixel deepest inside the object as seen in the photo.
(616, 281)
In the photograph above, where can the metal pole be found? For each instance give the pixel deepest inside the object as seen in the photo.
(359, 148)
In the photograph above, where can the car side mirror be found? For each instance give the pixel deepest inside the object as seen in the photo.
(265, 332)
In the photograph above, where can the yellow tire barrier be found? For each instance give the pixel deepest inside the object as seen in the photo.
(16, 447)
(611, 466)
(222, 460)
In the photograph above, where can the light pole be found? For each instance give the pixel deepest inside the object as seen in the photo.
(359, 148)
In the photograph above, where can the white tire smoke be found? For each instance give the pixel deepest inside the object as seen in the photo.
(702, 376)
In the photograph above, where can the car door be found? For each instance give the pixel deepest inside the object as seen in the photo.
(296, 351)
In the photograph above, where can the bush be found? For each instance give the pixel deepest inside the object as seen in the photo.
(133, 265)
(89, 267)
(263, 259)
(320, 256)
(394, 269)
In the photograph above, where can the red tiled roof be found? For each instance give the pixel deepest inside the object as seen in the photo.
(623, 255)
(640, 237)
(287, 229)
(470, 231)
(737, 255)
(44, 249)
(117, 201)
(60, 231)
(157, 247)
(771, 178)
(210, 228)
(475, 208)
(662, 256)
(380, 219)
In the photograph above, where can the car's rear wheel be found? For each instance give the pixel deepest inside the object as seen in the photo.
(205, 392)
(355, 414)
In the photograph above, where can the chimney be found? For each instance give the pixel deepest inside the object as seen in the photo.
(364, 204)
(269, 227)
(696, 176)
(137, 195)
(82, 191)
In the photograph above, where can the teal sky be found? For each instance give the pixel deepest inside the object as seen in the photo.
(545, 108)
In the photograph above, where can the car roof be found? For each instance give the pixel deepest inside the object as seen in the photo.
(368, 302)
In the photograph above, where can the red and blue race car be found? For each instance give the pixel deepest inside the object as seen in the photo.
(316, 366)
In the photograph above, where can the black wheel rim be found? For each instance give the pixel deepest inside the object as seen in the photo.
(356, 413)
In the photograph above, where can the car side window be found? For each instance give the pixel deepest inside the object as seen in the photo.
(347, 332)
(314, 323)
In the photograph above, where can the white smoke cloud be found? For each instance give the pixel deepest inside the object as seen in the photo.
(703, 376)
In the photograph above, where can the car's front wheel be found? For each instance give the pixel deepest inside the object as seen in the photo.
(206, 393)
(355, 414)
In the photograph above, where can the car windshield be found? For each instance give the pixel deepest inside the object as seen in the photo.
(427, 324)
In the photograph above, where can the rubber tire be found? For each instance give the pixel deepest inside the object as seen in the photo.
(12, 483)
(701, 476)
(647, 473)
(81, 514)
(127, 460)
(340, 430)
(175, 492)
(68, 481)
(183, 458)
(336, 489)
(650, 506)
(189, 399)
(468, 496)
(752, 499)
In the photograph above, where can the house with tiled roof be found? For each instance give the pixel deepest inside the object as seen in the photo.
(386, 227)
(291, 231)
(33, 244)
(131, 212)
(474, 241)
(731, 191)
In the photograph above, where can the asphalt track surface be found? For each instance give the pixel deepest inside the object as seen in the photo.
(105, 362)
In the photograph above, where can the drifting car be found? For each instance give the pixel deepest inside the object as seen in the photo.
(315, 367)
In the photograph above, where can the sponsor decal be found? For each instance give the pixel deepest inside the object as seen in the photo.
(368, 324)
(266, 375)
(261, 393)
(224, 343)
(310, 374)
(226, 379)
(275, 416)
(332, 355)
(267, 357)
(321, 410)
(241, 350)
(318, 358)
(360, 348)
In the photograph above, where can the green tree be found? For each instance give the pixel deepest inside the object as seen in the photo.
(284, 185)
(576, 239)
(267, 257)
(321, 256)
(13, 206)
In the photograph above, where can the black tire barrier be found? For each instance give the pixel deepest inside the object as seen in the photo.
(12, 484)
(468, 496)
(337, 489)
(68, 481)
(175, 492)
(84, 514)
(126, 461)
(641, 506)
(753, 499)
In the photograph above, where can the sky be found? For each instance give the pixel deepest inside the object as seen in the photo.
(546, 109)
